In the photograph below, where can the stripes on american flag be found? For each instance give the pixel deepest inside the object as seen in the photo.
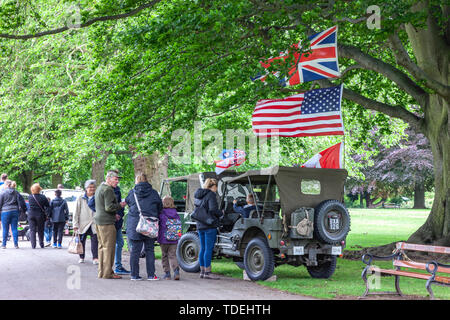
(313, 113)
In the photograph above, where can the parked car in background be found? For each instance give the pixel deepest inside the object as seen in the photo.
(70, 195)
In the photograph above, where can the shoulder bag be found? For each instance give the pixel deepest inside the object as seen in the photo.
(147, 226)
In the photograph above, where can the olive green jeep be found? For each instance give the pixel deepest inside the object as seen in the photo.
(299, 219)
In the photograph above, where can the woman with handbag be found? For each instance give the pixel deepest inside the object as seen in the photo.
(37, 214)
(143, 201)
(207, 229)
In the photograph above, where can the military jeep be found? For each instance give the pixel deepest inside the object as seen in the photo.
(299, 219)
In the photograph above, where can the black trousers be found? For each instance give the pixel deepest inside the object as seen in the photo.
(94, 243)
(36, 223)
(58, 230)
(136, 248)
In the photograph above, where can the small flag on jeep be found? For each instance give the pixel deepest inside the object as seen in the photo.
(229, 158)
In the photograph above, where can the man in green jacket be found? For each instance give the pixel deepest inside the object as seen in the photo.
(106, 206)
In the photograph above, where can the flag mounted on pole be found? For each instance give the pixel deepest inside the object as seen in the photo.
(331, 158)
(229, 158)
(313, 113)
(321, 62)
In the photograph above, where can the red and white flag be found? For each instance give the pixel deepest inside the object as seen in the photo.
(313, 113)
(331, 158)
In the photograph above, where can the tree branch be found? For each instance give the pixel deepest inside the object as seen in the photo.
(83, 25)
(370, 63)
(404, 60)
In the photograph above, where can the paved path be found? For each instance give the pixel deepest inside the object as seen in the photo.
(50, 273)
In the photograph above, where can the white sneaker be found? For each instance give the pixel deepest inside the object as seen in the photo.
(95, 261)
(81, 261)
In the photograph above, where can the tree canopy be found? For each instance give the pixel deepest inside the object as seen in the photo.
(118, 76)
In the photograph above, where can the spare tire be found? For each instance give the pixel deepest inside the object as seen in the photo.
(331, 222)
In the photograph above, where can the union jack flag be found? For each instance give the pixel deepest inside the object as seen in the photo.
(320, 63)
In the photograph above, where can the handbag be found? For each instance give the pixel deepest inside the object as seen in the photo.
(147, 226)
(75, 245)
(200, 214)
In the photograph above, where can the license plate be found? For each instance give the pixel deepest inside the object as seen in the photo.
(336, 250)
(299, 251)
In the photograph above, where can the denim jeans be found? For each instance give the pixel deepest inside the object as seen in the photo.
(10, 218)
(207, 241)
(48, 231)
(119, 246)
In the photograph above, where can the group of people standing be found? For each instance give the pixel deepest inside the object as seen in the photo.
(38, 212)
(99, 215)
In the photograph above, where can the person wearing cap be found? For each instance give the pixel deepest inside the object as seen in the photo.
(106, 207)
(83, 221)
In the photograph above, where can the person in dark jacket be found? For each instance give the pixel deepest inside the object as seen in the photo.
(151, 206)
(169, 247)
(37, 214)
(59, 215)
(11, 204)
(118, 268)
(206, 198)
(244, 211)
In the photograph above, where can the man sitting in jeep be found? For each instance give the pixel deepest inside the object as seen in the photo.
(244, 211)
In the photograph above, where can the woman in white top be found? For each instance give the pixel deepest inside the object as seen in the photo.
(83, 221)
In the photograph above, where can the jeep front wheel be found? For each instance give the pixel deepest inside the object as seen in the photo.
(259, 261)
(187, 252)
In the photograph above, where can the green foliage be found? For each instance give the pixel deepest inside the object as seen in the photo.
(133, 82)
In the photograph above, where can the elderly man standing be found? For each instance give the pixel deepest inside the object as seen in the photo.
(106, 206)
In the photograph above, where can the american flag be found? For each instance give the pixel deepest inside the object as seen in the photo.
(313, 113)
(320, 63)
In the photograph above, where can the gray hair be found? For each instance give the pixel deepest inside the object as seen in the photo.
(89, 182)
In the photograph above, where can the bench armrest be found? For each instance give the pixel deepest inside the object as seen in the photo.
(368, 257)
(435, 264)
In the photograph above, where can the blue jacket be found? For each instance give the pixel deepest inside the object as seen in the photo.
(245, 210)
(150, 203)
(59, 210)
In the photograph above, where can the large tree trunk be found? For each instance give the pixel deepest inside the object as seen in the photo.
(98, 169)
(56, 179)
(431, 51)
(26, 177)
(419, 196)
(154, 166)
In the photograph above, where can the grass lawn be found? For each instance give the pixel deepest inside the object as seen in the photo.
(369, 227)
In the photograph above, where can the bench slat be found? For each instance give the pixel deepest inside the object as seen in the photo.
(404, 273)
(416, 275)
(417, 265)
(421, 247)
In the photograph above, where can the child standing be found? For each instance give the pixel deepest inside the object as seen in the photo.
(169, 233)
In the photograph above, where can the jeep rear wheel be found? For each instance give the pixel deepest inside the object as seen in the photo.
(187, 252)
(325, 269)
(259, 261)
(331, 222)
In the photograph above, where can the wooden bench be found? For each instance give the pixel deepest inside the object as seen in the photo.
(401, 261)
